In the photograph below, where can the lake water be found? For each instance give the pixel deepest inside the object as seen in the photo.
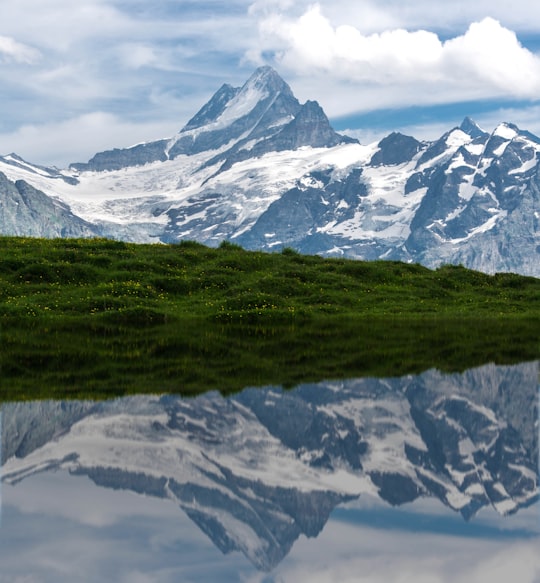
(427, 478)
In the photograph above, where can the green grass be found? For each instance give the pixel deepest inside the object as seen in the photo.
(128, 283)
(102, 318)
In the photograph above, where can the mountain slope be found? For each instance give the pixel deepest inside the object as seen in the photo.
(480, 203)
(24, 210)
(257, 167)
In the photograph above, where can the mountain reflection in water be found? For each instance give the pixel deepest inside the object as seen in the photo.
(257, 470)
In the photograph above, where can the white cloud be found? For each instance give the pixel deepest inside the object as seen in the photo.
(78, 139)
(11, 50)
(347, 553)
(138, 55)
(486, 61)
(377, 15)
(492, 55)
(60, 24)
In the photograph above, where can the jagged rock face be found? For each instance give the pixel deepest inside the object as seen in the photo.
(395, 149)
(26, 211)
(294, 219)
(310, 128)
(472, 129)
(214, 108)
(117, 159)
(257, 470)
(256, 167)
(479, 204)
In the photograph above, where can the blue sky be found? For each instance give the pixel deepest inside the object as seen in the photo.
(81, 77)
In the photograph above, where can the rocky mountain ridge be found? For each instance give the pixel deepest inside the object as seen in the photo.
(257, 167)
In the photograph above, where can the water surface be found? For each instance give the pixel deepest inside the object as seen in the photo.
(430, 477)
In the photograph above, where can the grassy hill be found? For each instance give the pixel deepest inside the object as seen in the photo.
(104, 318)
(132, 283)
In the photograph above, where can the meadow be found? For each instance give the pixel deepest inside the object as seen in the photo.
(97, 317)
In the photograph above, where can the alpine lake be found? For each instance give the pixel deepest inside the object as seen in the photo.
(330, 450)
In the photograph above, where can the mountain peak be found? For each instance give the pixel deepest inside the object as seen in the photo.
(396, 148)
(311, 127)
(507, 131)
(470, 127)
(265, 76)
(230, 103)
(265, 81)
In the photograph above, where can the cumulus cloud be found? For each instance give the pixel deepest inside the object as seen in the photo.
(11, 50)
(376, 15)
(520, 15)
(486, 61)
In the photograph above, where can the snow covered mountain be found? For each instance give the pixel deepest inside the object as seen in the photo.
(256, 167)
(257, 470)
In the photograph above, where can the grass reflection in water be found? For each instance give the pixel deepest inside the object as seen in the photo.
(61, 360)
